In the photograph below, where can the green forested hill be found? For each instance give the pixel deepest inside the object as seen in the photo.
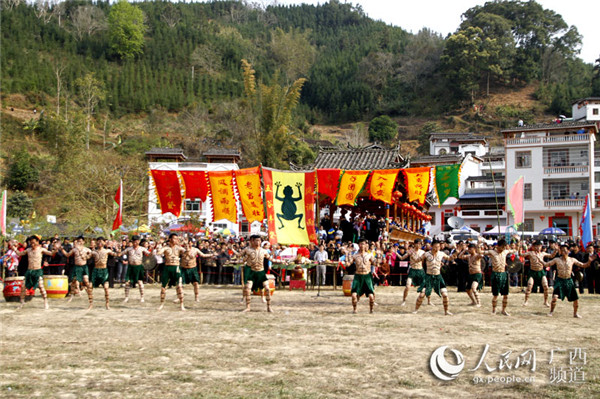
(114, 79)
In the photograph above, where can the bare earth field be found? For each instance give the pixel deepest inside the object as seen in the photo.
(309, 348)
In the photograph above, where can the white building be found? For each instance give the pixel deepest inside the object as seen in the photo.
(557, 163)
(457, 143)
(586, 109)
(174, 159)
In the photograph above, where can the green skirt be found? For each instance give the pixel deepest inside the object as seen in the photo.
(537, 276)
(565, 288)
(170, 276)
(257, 278)
(417, 276)
(476, 277)
(247, 271)
(99, 277)
(190, 275)
(135, 273)
(362, 285)
(78, 272)
(32, 278)
(432, 283)
(499, 283)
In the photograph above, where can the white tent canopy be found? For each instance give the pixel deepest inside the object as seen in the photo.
(495, 230)
(465, 230)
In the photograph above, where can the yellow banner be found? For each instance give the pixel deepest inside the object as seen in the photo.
(382, 184)
(249, 188)
(223, 200)
(351, 184)
(417, 183)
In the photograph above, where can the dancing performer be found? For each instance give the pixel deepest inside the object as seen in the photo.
(416, 274)
(100, 272)
(363, 278)
(79, 273)
(34, 274)
(135, 271)
(255, 275)
(563, 285)
(537, 274)
(433, 280)
(499, 275)
(475, 279)
(189, 270)
(171, 274)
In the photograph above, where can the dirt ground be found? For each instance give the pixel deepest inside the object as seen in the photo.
(311, 347)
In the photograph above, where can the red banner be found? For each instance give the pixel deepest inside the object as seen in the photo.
(328, 181)
(195, 184)
(417, 183)
(168, 191)
(250, 190)
(224, 203)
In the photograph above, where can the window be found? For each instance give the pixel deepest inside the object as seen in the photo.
(558, 158)
(523, 159)
(527, 191)
(594, 111)
(597, 177)
(442, 152)
(433, 215)
(192, 205)
(559, 191)
(527, 225)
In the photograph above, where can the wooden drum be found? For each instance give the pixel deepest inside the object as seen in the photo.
(271, 285)
(13, 287)
(56, 286)
(347, 284)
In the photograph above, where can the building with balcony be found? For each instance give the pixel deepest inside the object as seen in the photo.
(556, 161)
(457, 143)
(586, 109)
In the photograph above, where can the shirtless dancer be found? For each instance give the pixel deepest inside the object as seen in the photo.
(135, 271)
(100, 273)
(79, 274)
(171, 274)
(416, 275)
(189, 271)
(363, 279)
(433, 279)
(254, 256)
(474, 257)
(34, 274)
(563, 285)
(537, 274)
(499, 275)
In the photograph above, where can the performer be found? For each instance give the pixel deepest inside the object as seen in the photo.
(79, 273)
(100, 272)
(474, 256)
(537, 274)
(135, 270)
(416, 274)
(189, 270)
(363, 279)
(499, 275)
(171, 274)
(563, 285)
(253, 256)
(34, 274)
(433, 279)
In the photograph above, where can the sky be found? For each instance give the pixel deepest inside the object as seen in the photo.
(443, 16)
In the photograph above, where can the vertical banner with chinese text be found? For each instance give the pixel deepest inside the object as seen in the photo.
(447, 182)
(250, 191)
(417, 183)
(382, 184)
(195, 184)
(328, 181)
(224, 204)
(290, 199)
(168, 191)
(351, 184)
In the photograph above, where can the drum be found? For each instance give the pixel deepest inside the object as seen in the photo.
(271, 279)
(149, 263)
(13, 287)
(347, 284)
(56, 286)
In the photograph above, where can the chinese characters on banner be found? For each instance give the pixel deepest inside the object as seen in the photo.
(382, 184)
(417, 183)
(447, 181)
(194, 184)
(351, 185)
(224, 203)
(328, 181)
(168, 191)
(290, 198)
(250, 191)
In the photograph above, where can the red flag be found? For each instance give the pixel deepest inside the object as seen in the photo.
(168, 191)
(3, 213)
(328, 181)
(515, 201)
(118, 222)
(195, 183)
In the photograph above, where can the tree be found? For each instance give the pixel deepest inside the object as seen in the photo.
(382, 129)
(21, 171)
(87, 20)
(421, 58)
(91, 92)
(126, 29)
(292, 52)
(170, 15)
(596, 79)
(358, 136)
(423, 139)
(59, 64)
(19, 205)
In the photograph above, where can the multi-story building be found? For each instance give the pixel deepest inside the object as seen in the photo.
(557, 163)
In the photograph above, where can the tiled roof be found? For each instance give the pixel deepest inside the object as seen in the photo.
(456, 136)
(368, 158)
(170, 151)
(550, 126)
(437, 159)
(222, 151)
